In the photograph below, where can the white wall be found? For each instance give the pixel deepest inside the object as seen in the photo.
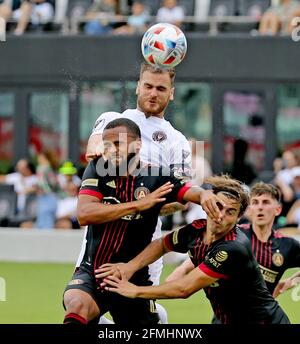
(40, 246)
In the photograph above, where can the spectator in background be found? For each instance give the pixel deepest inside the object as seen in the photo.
(137, 21)
(170, 13)
(101, 17)
(47, 191)
(284, 179)
(67, 174)
(66, 212)
(288, 161)
(7, 7)
(279, 18)
(25, 11)
(240, 169)
(24, 181)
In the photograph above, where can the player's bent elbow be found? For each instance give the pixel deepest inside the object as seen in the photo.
(183, 292)
(82, 217)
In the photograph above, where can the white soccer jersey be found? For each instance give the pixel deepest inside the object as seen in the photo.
(162, 145)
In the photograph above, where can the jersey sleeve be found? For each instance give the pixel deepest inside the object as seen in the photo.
(90, 184)
(180, 239)
(224, 260)
(181, 185)
(181, 157)
(103, 120)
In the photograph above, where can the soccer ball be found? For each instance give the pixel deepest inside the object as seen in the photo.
(164, 45)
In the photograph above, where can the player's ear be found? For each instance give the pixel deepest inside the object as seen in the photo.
(278, 210)
(172, 93)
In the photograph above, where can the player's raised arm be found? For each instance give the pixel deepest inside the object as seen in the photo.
(95, 146)
(93, 149)
(206, 198)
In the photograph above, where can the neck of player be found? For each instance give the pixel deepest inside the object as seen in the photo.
(262, 232)
(159, 115)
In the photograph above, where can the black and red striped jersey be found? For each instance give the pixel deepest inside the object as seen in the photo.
(274, 256)
(122, 239)
(240, 294)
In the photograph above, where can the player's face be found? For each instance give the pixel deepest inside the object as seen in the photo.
(118, 145)
(229, 216)
(154, 91)
(263, 209)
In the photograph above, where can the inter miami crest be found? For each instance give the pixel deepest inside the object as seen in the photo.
(159, 136)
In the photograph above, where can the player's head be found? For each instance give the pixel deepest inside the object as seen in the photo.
(236, 199)
(265, 204)
(155, 89)
(122, 141)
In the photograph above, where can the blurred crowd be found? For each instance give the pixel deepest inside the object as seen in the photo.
(46, 193)
(99, 17)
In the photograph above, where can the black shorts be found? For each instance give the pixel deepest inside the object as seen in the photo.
(124, 311)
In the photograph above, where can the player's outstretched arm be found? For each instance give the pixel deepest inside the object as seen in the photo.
(150, 254)
(180, 288)
(91, 211)
(207, 199)
(171, 208)
(286, 284)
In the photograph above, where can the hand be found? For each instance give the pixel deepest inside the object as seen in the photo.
(154, 197)
(116, 269)
(120, 286)
(209, 203)
(284, 285)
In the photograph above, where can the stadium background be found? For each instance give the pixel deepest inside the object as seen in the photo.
(53, 87)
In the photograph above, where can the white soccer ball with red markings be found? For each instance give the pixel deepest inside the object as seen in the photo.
(164, 45)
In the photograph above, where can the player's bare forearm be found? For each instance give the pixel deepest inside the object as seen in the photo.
(93, 212)
(193, 194)
(150, 254)
(180, 288)
(181, 270)
(171, 208)
(207, 199)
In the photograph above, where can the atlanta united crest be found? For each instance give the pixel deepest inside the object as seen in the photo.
(141, 192)
(277, 259)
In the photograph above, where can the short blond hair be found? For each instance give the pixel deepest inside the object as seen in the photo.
(156, 70)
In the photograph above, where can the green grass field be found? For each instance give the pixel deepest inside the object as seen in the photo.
(34, 296)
